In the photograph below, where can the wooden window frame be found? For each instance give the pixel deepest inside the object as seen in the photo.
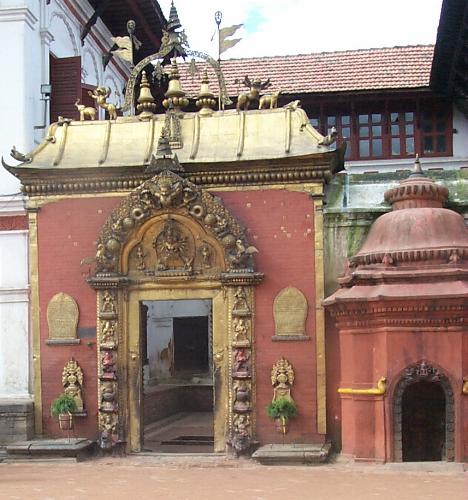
(386, 108)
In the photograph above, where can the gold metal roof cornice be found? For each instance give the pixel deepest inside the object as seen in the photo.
(62, 183)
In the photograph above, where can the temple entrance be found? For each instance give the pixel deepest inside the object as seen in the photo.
(177, 374)
(424, 416)
(423, 422)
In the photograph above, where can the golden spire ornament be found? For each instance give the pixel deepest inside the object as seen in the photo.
(146, 105)
(175, 95)
(205, 99)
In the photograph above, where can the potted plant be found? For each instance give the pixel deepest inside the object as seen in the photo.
(63, 407)
(281, 410)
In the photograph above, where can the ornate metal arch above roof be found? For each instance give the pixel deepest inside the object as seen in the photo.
(174, 43)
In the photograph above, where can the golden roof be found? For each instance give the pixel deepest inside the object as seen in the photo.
(222, 137)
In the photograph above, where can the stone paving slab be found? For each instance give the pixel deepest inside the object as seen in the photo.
(222, 478)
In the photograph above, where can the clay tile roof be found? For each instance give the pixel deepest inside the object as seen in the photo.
(353, 70)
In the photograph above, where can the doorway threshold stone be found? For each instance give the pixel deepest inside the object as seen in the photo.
(287, 454)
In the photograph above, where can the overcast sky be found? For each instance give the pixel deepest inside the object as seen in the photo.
(279, 27)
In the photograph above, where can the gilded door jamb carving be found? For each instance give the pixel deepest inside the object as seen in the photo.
(202, 290)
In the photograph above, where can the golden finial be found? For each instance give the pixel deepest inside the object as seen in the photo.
(146, 105)
(205, 100)
(175, 95)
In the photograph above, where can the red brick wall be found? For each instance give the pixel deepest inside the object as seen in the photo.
(281, 225)
(278, 222)
(67, 231)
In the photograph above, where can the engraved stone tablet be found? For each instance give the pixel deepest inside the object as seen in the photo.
(62, 317)
(290, 312)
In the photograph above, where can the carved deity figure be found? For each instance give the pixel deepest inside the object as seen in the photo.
(206, 255)
(108, 335)
(241, 330)
(241, 363)
(172, 247)
(108, 366)
(108, 305)
(167, 191)
(240, 307)
(108, 398)
(140, 254)
(109, 434)
(72, 380)
(241, 397)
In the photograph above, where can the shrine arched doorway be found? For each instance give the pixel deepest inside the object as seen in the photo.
(169, 241)
(423, 416)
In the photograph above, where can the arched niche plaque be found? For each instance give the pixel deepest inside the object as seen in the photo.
(62, 319)
(290, 314)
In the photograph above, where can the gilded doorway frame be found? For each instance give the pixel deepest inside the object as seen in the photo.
(170, 239)
(220, 347)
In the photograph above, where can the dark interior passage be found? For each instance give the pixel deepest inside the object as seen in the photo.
(423, 422)
(177, 376)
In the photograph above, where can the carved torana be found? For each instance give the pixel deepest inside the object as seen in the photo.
(168, 191)
(72, 380)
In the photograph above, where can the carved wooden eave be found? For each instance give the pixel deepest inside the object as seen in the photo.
(256, 147)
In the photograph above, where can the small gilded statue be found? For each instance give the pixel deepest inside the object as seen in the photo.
(108, 306)
(240, 307)
(241, 331)
(108, 335)
(282, 379)
(72, 380)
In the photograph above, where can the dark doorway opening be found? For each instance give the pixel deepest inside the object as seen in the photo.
(423, 422)
(191, 345)
(177, 403)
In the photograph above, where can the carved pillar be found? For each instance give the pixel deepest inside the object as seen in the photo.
(240, 289)
(109, 351)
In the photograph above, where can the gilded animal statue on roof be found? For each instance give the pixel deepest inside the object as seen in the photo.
(86, 112)
(100, 95)
(269, 101)
(244, 100)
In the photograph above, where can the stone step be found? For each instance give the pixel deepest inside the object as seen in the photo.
(292, 454)
(73, 449)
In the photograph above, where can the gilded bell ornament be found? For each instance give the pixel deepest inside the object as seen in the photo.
(205, 100)
(146, 105)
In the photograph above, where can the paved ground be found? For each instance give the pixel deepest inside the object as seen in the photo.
(206, 478)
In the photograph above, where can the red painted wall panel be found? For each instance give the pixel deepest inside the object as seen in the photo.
(278, 222)
(67, 231)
